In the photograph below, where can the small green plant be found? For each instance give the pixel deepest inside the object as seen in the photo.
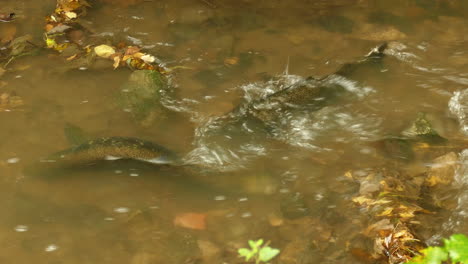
(455, 250)
(257, 252)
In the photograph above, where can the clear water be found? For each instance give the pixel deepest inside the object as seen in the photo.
(234, 52)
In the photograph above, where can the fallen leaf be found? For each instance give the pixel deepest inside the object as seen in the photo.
(387, 212)
(148, 58)
(116, 62)
(132, 50)
(349, 175)
(275, 220)
(383, 224)
(72, 57)
(443, 170)
(195, 221)
(362, 200)
(71, 15)
(104, 51)
(8, 101)
(231, 61)
(50, 29)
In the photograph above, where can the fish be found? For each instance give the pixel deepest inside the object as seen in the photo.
(114, 148)
(311, 94)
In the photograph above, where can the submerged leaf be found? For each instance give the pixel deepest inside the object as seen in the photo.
(195, 221)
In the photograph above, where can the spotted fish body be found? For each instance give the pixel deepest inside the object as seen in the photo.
(114, 148)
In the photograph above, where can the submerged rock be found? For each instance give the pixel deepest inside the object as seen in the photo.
(293, 206)
(421, 127)
(141, 95)
(414, 141)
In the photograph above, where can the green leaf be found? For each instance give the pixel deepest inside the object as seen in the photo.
(244, 252)
(255, 244)
(267, 253)
(434, 255)
(457, 247)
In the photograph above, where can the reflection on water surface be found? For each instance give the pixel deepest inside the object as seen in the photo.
(290, 179)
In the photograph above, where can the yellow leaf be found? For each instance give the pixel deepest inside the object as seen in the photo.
(231, 61)
(60, 47)
(72, 57)
(387, 212)
(362, 200)
(116, 62)
(409, 214)
(381, 201)
(104, 51)
(71, 15)
(50, 43)
(349, 175)
(148, 58)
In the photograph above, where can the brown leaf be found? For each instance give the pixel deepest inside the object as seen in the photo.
(132, 50)
(195, 221)
(231, 61)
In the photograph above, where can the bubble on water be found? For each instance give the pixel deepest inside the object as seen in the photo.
(134, 174)
(246, 215)
(13, 160)
(220, 198)
(51, 247)
(243, 199)
(121, 210)
(365, 150)
(21, 228)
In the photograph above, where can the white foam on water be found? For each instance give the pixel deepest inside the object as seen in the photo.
(333, 123)
(229, 143)
(458, 106)
(350, 85)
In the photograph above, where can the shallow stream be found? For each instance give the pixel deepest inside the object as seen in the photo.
(287, 185)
